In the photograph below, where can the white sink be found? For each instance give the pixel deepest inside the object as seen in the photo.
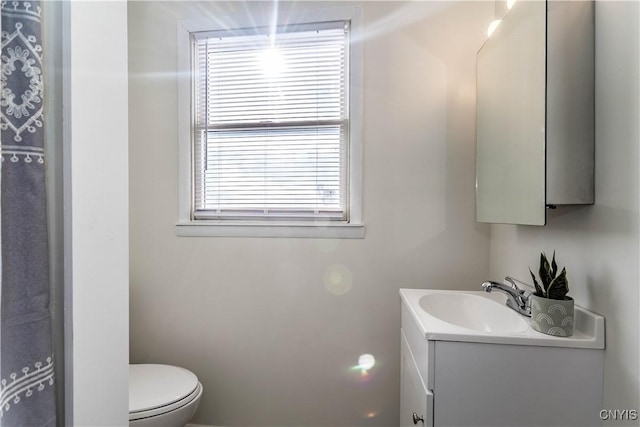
(477, 316)
(473, 311)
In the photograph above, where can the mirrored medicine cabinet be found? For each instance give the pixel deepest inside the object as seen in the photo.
(535, 112)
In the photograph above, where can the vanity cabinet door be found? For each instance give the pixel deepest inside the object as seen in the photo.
(416, 402)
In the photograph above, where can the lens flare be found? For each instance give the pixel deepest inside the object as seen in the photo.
(338, 279)
(366, 362)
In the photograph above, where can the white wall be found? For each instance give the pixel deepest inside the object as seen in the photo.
(96, 213)
(600, 244)
(253, 318)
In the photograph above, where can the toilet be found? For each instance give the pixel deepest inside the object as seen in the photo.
(162, 395)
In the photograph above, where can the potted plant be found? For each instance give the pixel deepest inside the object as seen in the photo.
(551, 308)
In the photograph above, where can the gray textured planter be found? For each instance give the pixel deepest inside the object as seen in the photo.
(552, 316)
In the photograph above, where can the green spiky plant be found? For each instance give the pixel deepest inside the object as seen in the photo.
(554, 286)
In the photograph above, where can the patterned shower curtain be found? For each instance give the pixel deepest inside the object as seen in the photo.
(26, 358)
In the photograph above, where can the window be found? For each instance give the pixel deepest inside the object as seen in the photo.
(273, 127)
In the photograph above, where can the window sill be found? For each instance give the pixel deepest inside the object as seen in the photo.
(260, 229)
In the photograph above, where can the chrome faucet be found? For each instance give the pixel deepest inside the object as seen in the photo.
(517, 299)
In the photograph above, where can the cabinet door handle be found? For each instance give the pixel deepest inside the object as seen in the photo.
(416, 418)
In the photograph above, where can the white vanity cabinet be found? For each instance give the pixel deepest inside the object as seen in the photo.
(416, 374)
(416, 402)
(473, 383)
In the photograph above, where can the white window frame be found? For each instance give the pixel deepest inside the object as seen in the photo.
(186, 225)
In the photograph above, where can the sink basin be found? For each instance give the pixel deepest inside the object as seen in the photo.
(471, 311)
(478, 316)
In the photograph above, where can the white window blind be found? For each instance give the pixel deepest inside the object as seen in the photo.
(271, 124)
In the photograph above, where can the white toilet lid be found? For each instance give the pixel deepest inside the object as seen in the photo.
(154, 386)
